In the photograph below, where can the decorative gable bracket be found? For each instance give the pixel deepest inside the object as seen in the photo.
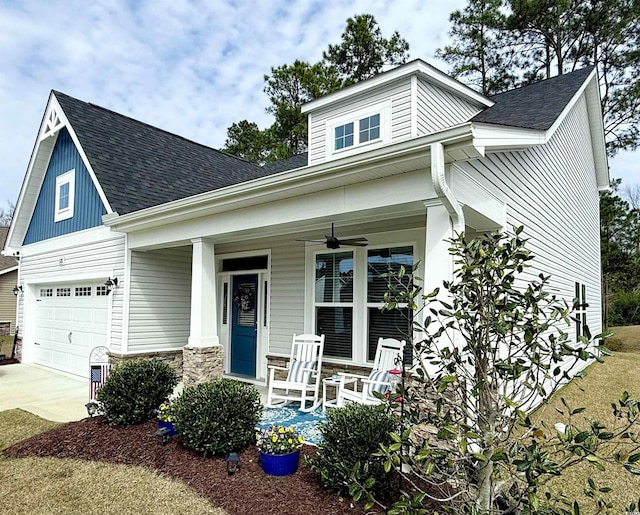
(52, 123)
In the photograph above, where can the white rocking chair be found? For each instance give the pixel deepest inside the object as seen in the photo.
(389, 355)
(303, 374)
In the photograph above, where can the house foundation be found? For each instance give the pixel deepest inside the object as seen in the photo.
(201, 364)
(173, 358)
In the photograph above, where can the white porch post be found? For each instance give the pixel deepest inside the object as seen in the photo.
(204, 309)
(438, 263)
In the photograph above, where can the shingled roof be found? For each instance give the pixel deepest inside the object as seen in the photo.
(139, 166)
(536, 106)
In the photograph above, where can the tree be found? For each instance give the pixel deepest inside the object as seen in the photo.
(6, 215)
(477, 54)
(543, 38)
(363, 52)
(492, 347)
(620, 251)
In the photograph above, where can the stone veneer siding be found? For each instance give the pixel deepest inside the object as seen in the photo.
(173, 358)
(201, 364)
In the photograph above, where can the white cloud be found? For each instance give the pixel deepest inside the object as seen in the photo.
(190, 67)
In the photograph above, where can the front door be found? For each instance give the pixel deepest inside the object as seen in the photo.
(244, 328)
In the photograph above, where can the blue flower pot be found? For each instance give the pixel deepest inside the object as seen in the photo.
(280, 464)
(168, 425)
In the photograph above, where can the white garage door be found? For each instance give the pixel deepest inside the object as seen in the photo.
(71, 319)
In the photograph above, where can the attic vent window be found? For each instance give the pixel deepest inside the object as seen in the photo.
(344, 136)
(65, 195)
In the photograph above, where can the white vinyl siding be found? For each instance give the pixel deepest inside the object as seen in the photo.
(551, 190)
(159, 299)
(79, 263)
(439, 109)
(398, 93)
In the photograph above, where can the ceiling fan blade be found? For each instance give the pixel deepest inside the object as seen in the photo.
(355, 242)
(320, 242)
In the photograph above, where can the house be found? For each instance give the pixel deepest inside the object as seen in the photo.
(8, 281)
(153, 245)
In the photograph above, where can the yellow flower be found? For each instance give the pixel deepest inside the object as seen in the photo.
(281, 429)
(290, 440)
(274, 438)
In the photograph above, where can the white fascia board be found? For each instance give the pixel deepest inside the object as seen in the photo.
(263, 187)
(499, 137)
(417, 67)
(9, 270)
(10, 245)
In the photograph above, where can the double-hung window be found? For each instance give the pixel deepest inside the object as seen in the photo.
(383, 266)
(65, 195)
(333, 302)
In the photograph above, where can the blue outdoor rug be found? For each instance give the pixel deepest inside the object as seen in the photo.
(304, 423)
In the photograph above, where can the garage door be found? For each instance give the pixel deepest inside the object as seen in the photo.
(71, 319)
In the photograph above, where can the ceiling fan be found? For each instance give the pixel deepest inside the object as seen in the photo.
(334, 243)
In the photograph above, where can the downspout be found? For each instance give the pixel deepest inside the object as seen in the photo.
(443, 191)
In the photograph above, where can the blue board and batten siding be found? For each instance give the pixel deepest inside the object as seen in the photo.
(88, 207)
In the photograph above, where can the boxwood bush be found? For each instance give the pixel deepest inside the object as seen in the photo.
(350, 436)
(218, 417)
(134, 389)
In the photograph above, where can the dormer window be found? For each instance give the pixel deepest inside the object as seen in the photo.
(65, 195)
(369, 128)
(344, 136)
(358, 130)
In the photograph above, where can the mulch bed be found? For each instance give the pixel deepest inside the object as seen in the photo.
(249, 490)
(8, 361)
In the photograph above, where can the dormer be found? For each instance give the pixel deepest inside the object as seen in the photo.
(410, 101)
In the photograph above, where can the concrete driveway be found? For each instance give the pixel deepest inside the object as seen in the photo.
(45, 392)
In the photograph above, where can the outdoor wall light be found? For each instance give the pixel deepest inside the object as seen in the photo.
(17, 290)
(111, 284)
(232, 463)
(164, 435)
(92, 408)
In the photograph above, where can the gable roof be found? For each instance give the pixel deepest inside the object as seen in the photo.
(6, 262)
(140, 166)
(536, 106)
(288, 163)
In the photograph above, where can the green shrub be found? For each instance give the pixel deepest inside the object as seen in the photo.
(350, 436)
(218, 417)
(135, 389)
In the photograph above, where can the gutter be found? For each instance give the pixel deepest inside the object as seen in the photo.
(443, 191)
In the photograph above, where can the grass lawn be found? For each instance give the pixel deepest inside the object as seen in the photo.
(6, 344)
(48, 485)
(602, 385)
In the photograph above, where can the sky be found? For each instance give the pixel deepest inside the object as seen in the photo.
(192, 68)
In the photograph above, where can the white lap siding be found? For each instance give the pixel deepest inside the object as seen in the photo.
(160, 300)
(552, 191)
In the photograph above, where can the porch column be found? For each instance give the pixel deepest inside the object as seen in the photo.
(203, 355)
(438, 263)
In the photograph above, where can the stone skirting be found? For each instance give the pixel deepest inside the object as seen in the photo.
(173, 358)
(201, 364)
(328, 369)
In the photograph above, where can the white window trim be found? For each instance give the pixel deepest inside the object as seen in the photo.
(381, 108)
(66, 178)
(360, 306)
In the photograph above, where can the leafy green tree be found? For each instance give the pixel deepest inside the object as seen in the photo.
(537, 39)
(363, 52)
(477, 52)
(491, 346)
(620, 251)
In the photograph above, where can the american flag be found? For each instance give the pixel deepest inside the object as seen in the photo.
(99, 374)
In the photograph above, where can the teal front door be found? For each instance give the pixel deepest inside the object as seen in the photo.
(244, 329)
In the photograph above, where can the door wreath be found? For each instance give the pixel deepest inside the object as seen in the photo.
(244, 298)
